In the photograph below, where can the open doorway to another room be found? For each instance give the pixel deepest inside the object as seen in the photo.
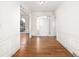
(24, 27)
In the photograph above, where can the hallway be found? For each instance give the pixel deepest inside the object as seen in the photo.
(52, 28)
(43, 46)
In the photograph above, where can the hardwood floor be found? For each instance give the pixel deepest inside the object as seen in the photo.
(41, 47)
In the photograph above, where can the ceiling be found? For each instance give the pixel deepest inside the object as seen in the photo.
(36, 6)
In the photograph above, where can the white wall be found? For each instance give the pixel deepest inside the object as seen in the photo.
(9, 28)
(52, 26)
(33, 22)
(67, 26)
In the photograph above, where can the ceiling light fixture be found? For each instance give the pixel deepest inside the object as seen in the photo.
(42, 2)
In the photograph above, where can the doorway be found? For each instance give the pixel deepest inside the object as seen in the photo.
(24, 28)
(42, 26)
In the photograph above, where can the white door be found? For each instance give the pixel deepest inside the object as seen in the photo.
(42, 26)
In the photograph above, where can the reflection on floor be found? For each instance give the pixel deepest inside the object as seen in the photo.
(41, 46)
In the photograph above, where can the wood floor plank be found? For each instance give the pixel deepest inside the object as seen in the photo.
(42, 46)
